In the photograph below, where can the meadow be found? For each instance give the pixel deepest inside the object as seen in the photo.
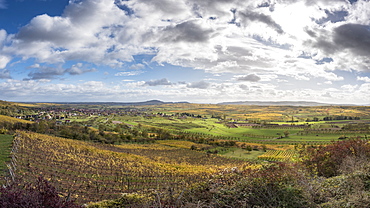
(5, 148)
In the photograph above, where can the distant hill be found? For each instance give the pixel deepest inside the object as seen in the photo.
(149, 102)
(159, 102)
(286, 103)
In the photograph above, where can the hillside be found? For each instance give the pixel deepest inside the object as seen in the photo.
(182, 154)
(93, 172)
(13, 120)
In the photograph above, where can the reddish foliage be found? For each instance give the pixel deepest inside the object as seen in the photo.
(33, 195)
(327, 160)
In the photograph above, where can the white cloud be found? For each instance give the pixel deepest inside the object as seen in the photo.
(85, 31)
(364, 89)
(244, 87)
(137, 66)
(359, 13)
(51, 72)
(36, 90)
(199, 85)
(349, 88)
(157, 82)
(130, 73)
(4, 74)
(3, 36)
(249, 78)
(4, 60)
(365, 79)
(254, 41)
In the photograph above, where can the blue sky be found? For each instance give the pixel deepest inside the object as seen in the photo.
(201, 51)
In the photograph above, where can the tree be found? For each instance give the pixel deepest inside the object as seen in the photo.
(286, 133)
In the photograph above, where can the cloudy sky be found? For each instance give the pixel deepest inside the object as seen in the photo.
(202, 51)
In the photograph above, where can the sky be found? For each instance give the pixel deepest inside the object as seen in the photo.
(200, 51)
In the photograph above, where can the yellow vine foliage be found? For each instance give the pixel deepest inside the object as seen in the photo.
(13, 120)
(182, 144)
(278, 155)
(93, 172)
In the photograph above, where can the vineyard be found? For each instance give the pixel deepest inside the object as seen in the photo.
(184, 144)
(93, 172)
(279, 155)
(97, 152)
(13, 120)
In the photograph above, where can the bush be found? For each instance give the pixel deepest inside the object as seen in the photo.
(327, 160)
(33, 195)
(350, 190)
(275, 185)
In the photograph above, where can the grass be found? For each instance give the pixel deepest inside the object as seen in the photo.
(5, 146)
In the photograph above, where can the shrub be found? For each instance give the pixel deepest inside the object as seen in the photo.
(33, 195)
(350, 190)
(274, 185)
(327, 160)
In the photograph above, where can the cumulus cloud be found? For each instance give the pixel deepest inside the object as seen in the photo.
(84, 31)
(327, 94)
(248, 40)
(189, 31)
(157, 82)
(354, 37)
(4, 74)
(3, 36)
(137, 66)
(365, 79)
(78, 70)
(130, 73)
(244, 87)
(49, 72)
(349, 87)
(4, 60)
(45, 73)
(249, 78)
(199, 85)
(262, 18)
(87, 33)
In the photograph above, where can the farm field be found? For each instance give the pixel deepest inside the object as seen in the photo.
(92, 172)
(96, 152)
(243, 154)
(279, 155)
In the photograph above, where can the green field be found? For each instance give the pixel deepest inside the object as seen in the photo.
(5, 147)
